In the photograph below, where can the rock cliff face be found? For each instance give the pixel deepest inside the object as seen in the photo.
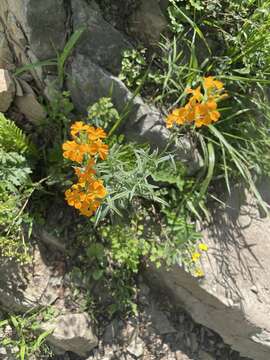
(233, 298)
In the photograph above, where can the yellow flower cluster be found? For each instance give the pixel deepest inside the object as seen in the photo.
(196, 256)
(87, 145)
(201, 107)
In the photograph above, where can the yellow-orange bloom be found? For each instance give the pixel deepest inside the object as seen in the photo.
(87, 173)
(73, 151)
(96, 133)
(210, 83)
(88, 209)
(98, 147)
(201, 107)
(97, 189)
(75, 197)
(87, 193)
(197, 95)
(176, 117)
(206, 113)
(77, 127)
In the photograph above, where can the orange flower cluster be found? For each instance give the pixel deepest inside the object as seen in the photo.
(86, 146)
(201, 107)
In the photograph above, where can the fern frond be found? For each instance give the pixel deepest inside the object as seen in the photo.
(12, 138)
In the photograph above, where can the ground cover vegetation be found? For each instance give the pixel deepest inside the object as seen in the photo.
(134, 206)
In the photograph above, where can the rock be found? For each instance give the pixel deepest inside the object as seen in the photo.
(51, 240)
(23, 287)
(159, 320)
(164, 6)
(136, 346)
(111, 332)
(180, 356)
(6, 58)
(205, 356)
(28, 104)
(147, 22)
(194, 343)
(72, 332)
(100, 42)
(238, 259)
(31, 108)
(40, 24)
(88, 83)
(7, 90)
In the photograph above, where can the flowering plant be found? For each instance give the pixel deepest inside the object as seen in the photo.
(201, 107)
(85, 149)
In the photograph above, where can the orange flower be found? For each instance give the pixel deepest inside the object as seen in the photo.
(77, 127)
(98, 147)
(190, 108)
(210, 83)
(88, 209)
(73, 151)
(96, 133)
(197, 95)
(176, 117)
(88, 172)
(97, 189)
(86, 195)
(75, 197)
(206, 113)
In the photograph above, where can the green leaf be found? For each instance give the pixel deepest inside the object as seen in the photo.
(30, 67)
(62, 58)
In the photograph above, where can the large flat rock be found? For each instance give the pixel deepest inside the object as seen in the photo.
(234, 296)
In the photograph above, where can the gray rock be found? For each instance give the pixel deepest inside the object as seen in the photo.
(147, 22)
(205, 356)
(181, 356)
(194, 343)
(88, 83)
(111, 332)
(238, 259)
(42, 24)
(164, 6)
(100, 42)
(27, 103)
(24, 287)
(159, 320)
(72, 332)
(136, 346)
(7, 90)
(6, 58)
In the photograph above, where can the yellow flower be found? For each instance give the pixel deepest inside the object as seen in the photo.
(195, 256)
(198, 272)
(203, 247)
